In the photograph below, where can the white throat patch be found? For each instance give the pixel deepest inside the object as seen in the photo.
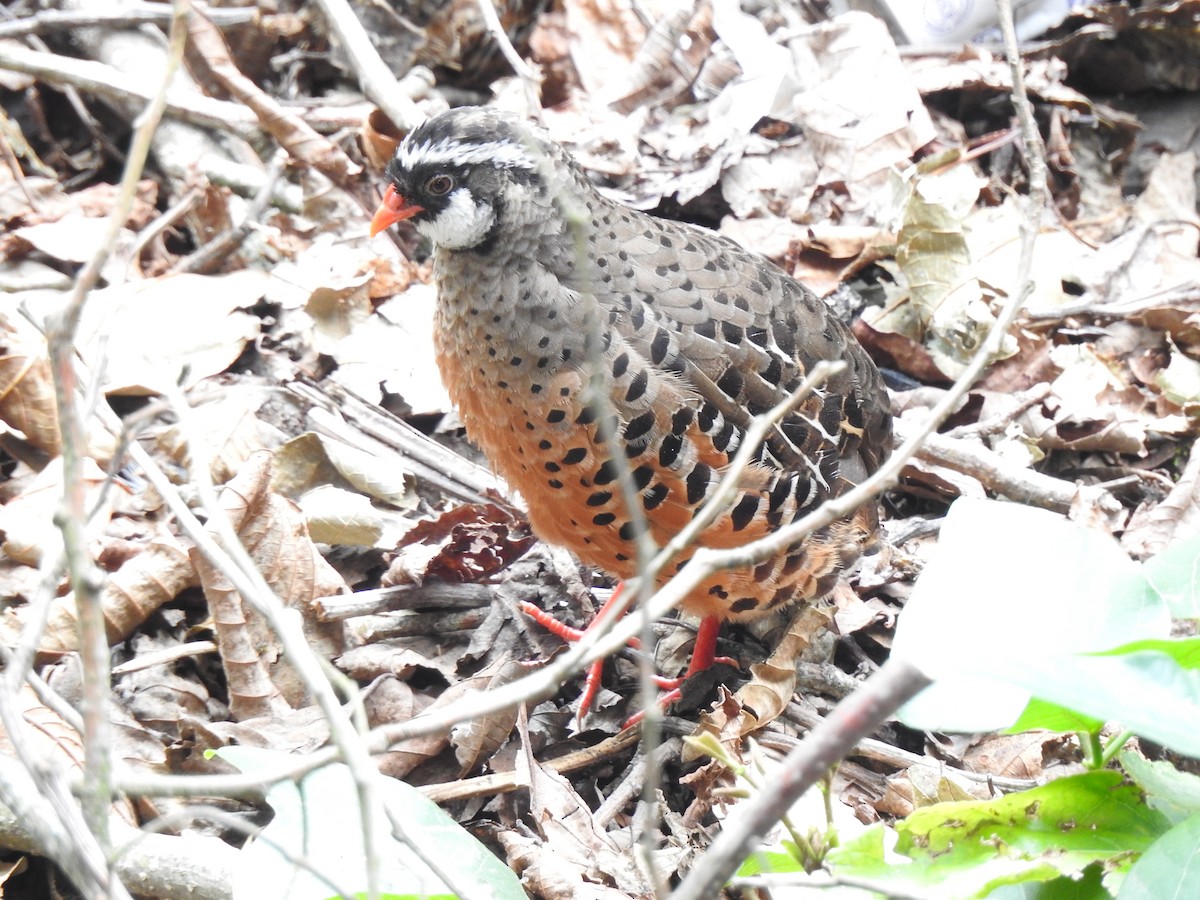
(462, 224)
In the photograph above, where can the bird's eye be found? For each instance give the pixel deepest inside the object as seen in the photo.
(439, 185)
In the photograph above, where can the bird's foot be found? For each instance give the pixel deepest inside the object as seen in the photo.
(703, 656)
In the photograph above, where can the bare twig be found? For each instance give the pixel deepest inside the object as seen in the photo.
(50, 20)
(529, 78)
(72, 517)
(161, 223)
(377, 80)
(72, 95)
(340, 413)
(230, 556)
(110, 84)
(851, 720)
(1011, 479)
(294, 135)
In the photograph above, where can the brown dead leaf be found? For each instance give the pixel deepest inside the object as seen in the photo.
(476, 740)
(771, 686)
(272, 529)
(676, 61)
(465, 544)
(923, 785)
(1155, 527)
(940, 482)
(577, 857)
(51, 740)
(69, 240)
(390, 700)
(27, 402)
(710, 782)
(1032, 364)
(773, 682)
(289, 731)
(1012, 755)
(379, 137)
(138, 588)
(27, 520)
(225, 421)
(899, 352)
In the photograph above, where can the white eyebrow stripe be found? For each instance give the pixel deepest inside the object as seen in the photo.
(501, 153)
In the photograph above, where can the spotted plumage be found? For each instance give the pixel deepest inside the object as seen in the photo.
(537, 273)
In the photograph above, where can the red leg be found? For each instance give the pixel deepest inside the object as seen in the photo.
(591, 685)
(703, 653)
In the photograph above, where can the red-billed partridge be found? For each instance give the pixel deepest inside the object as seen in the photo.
(537, 273)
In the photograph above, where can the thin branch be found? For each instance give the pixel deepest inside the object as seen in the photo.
(377, 81)
(109, 83)
(125, 16)
(231, 557)
(1011, 479)
(529, 78)
(72, 517)
(216, 251)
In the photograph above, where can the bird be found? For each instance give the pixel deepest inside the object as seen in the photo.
(579, 338)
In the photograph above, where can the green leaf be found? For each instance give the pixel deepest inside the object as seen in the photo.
(771, 861)
(317, 820)
(1175, 575)
(1185, 652)
(1009, 608)
(1041, 714)
(968, 849)
(1170, 868)
(1088, 887)
(1174, 793)
(1148, 692)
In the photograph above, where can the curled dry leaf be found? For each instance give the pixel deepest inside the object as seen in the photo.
(475, 740)
(227, 423)
(311, 460)
(27, 403)
(940, 302)
(142, 584)
(771, 684)
(1155, 527)
(922, 785)
(335, 484)
(50, 739)
(274, 534)
(379, 137)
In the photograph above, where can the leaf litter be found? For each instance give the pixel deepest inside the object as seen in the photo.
(823, 146)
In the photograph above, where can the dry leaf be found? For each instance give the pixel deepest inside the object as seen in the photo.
(130, 595)
(146, 336)
(272, 529)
